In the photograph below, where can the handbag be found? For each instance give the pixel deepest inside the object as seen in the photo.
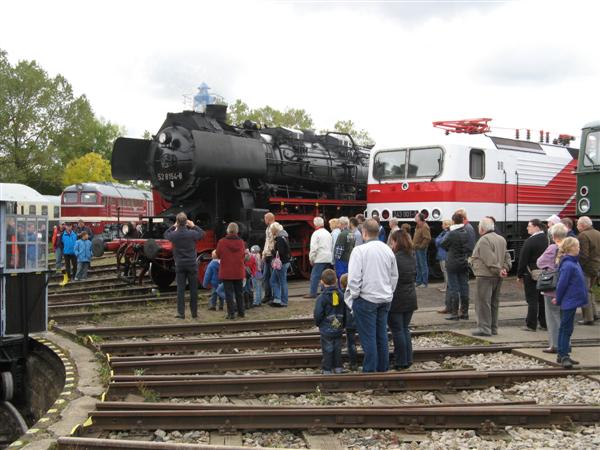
(547, 280)
(535, 273)
(276, 262)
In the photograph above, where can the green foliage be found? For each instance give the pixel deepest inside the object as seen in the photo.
(361, 137)
(89, 168)
(239, 111)
(43, 126)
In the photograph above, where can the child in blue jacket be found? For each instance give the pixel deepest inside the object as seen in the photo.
(330, 317)
(83, 253)
(571, 293)
(211, 280)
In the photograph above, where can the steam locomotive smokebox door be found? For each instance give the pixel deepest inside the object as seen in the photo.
(220, 155)
(29, 288)
(128, 159)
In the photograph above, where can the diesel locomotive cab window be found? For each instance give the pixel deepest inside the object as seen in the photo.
(89, 197)
(477, 164)
(592, 150)
(389, 164)
(424, 162)
(70, 197)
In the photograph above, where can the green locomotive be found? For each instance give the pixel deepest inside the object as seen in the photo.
(588, 172)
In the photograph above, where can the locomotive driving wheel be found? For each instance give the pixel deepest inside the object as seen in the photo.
(161, 276)
(7, 386)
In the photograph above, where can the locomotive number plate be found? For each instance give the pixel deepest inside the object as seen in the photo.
(405, 213)
(169, 176)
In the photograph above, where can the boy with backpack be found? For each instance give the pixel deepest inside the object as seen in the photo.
(329, 316)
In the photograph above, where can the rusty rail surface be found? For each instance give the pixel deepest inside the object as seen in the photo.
(185, 364)
(223, 344)
(182, 386)
(197, 328)
(319, 419)
(78, 443)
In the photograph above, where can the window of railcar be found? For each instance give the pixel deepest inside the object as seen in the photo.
(591, 156)
(56, 212)
(424, 162)
(44, 210)
(32, 210)
(70, 197)
(477, 164)
(90, 198)
(389, 164)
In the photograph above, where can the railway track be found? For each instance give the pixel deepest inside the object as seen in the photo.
(184, 364)
(249, 385)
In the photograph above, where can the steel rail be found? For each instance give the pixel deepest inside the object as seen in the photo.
(65, 295)
(80, 443)
(197, 328)
(201, 364)
(417, 418)
(116, 301)
(381, 382)
(224, 344)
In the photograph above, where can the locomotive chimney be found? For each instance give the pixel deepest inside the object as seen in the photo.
(217, 112)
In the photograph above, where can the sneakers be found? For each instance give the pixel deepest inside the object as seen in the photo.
(452, 318)
(479, 333)
(566, 362)
(559, 360)
(549, 350)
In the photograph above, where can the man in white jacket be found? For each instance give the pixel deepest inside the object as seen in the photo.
(320, 255)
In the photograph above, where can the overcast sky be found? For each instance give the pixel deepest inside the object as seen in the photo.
(392, 67)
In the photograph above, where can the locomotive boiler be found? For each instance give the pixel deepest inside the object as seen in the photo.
(218, 173)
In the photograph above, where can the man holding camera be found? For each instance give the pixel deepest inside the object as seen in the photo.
(183, 235)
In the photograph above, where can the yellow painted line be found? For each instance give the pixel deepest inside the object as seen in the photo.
(65, 393)
(75, 428)
(88, 423)
(69, 385)
(70, 379)
(43, 419)
(32, 430)
(103, 396)
(59, 401)
(52, 411)
(16, 444)
(69, 373)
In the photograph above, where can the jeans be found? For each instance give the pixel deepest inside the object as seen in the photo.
(371, 323)
(234, 287)
(59, 258)
(341, 267)
(258, 285)
(189, 274)
(567, 320)
(403, 351)
(331, 346)
(71, 265)
(279, 284)
(315, 277)
(458, 285)
(552, 320)
(82, 270)
(487, 303)
(217, 293)
(351, 347)
(267, 280)
(422, 267)
(535, 304)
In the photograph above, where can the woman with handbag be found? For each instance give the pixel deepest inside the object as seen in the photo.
(279, 266)
(549, 264)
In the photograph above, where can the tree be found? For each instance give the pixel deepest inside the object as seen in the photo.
(361, 137)
(239, 111)
(43, 126)
(91, 167)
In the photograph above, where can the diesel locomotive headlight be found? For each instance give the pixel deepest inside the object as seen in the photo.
(584, 191)
(375, 213)
(385, 214)
(164, 138)
(436, 214)
(584, 205)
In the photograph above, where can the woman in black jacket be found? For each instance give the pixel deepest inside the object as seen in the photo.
(404, 302)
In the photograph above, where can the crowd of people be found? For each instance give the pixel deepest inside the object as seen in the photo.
(72, 244)
(365, 281)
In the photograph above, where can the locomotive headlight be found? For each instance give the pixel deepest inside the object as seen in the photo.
(436, 214)
(375, 213)
(584, 191)
(584, 205)
(385, 214)
(164, 138)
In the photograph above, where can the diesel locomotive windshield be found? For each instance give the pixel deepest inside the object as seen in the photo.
(592, 150)
(408, 163)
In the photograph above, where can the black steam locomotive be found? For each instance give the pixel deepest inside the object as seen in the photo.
(219, 173)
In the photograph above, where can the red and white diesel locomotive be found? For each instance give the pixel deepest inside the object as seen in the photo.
(513, 180)
(103, 205)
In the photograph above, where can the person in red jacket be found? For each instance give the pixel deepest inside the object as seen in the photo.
(250, 266)
(231, 250)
